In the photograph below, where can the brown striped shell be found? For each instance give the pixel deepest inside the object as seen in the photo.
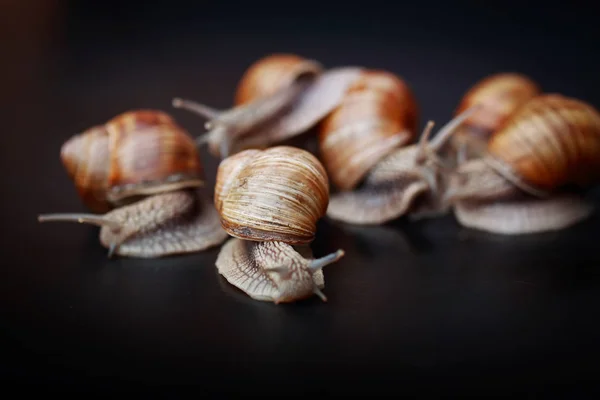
(133, 155)
(277, 194)
(550, 142)
(377, 115)
(271, 73)
(501, 95)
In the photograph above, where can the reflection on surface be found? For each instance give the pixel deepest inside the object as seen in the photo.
(373, 241)
(474, 235)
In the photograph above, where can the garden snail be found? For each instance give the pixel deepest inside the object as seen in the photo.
(278, 97)
(500, 95)
(382, 183)
(525, 182)
(270, 201)
(144, 172)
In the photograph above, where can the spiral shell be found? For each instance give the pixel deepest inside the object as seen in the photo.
(271, 73)
(501, 95)
(136, 153)
(377, 115)
(277, 194)
(551, 141)
(231, 167)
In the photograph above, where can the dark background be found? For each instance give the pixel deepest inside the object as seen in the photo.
(421, 307)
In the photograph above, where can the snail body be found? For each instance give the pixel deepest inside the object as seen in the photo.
(399, 180)
(278, 97)
(500, 95)
(270, 201)
(140, 174)
(535, 167)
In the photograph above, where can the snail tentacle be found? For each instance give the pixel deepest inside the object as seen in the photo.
(451, 127)
(93, 219)
(319, 263)
(197, 108)
(320, 294)
(82, 218)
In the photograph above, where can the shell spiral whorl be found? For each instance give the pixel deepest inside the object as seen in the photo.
(377, 114)
(135, 153)
(271, 73)
(500, 95)
(550, 142)
(277, 194)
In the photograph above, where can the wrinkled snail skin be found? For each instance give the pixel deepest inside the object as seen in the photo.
(273, 271)
(524, 183)
(409, 181)
(140, 176)
(500, 95)
(279, 97)
(135, 154)
(165, 224)
(270, 201)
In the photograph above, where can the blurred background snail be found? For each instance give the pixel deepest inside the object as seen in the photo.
(377, 114)
(270, 201)
(144, 172)
(362, 145)
(278, 97)
(535, 169)
(500, 95)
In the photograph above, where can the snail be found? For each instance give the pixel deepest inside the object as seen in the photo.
(378, 178)
(501, 95)
(534, 169)
(279, 96)
(140, 174)
(269, 201)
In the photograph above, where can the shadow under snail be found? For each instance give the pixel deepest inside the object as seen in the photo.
(144, 172)
(270, 201)
(500, 96)
(530, 178)
(279, 96)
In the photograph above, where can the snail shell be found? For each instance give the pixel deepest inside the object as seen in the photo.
(270, 201)
(279, 96)
(550, 146)
(135, 154)
(377, 115)
(272, 73)
(274, 194)
(500, 96)
(550, 142)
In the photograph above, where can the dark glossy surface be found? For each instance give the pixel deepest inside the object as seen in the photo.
(428, 305)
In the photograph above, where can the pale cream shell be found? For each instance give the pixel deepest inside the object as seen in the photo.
(278, 194)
